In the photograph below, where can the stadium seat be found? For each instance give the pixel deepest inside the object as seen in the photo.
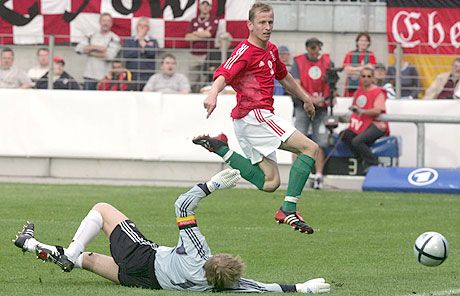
(384, 147)
(343, 161)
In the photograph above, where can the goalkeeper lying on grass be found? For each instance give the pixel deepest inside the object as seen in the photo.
(139, 262)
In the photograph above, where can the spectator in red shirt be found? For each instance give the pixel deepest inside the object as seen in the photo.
(117, 79)
(201, 33)
(356, 60)
(251, 71)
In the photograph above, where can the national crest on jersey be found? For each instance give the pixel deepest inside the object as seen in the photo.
(361, 101)
(315, 72)
(251, 71)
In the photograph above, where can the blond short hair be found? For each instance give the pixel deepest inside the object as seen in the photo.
(223, 270)
(258, 7)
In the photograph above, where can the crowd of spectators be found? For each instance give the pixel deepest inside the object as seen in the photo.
(130, 64)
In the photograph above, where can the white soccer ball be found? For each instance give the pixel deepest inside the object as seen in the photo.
(431, 248)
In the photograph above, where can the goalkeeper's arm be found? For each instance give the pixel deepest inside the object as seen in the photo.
(313, 286)
(191, 241)
(186, 203)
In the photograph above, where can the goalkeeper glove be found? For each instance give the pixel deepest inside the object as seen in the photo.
(224, 179)
(314, 286)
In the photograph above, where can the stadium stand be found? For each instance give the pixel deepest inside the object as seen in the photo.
(326, 20)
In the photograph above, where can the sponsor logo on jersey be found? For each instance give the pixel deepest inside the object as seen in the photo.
(422, 177)
(273, 56)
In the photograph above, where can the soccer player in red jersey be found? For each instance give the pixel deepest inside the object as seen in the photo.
(251, 71)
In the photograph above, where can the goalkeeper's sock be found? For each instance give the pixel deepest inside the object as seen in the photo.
(30, 244)
(250, 172)
(86, 232)
(79, 262)
(298, 176)
(48, 247)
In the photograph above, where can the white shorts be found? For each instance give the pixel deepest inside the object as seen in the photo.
(260, 133)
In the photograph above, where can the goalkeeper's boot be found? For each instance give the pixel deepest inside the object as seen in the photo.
(56, 256)
(294, 219)
(212, 144)
(26, 233)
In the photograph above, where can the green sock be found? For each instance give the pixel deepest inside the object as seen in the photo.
(298, 176)
(249, 172)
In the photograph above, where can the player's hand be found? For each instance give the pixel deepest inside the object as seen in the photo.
(210, 103)
(314, 286)
(224, 179)
(309, 108)
(317, 100)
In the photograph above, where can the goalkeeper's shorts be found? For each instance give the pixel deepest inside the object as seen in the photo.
(135, 256)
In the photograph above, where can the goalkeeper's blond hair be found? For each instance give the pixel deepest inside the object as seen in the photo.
(223, 270)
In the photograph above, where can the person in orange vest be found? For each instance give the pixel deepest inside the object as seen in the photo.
(364, 128)
(309, 70)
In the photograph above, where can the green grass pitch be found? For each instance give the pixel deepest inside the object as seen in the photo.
(362, 244)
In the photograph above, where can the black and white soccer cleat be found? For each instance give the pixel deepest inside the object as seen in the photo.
(26, 233)
(56, 256)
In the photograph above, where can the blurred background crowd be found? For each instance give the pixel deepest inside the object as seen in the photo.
(103, 60)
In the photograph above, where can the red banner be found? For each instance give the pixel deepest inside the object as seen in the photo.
(424, 30)
(31, 21)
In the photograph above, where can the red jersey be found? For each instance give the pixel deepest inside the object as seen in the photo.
(202, 47)
(367, 100)
(312, 74)
(251, 71)
(356, 58)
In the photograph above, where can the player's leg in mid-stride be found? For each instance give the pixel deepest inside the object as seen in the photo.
(253, 173)
(260, 134)
(306, 151)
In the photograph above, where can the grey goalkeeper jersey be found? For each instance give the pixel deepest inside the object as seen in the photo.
(181, 268)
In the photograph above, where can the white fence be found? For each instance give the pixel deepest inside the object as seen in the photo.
(152, 126)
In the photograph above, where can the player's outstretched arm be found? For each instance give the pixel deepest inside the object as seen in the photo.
(210, 102)
(191, 241)
(313, 286)
(187, 202)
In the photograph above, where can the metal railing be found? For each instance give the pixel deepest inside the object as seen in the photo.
(420, 121)
(74, 62)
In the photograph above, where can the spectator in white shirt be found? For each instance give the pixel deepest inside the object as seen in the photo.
(168, 81)
(43, 59)
(11, 76)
